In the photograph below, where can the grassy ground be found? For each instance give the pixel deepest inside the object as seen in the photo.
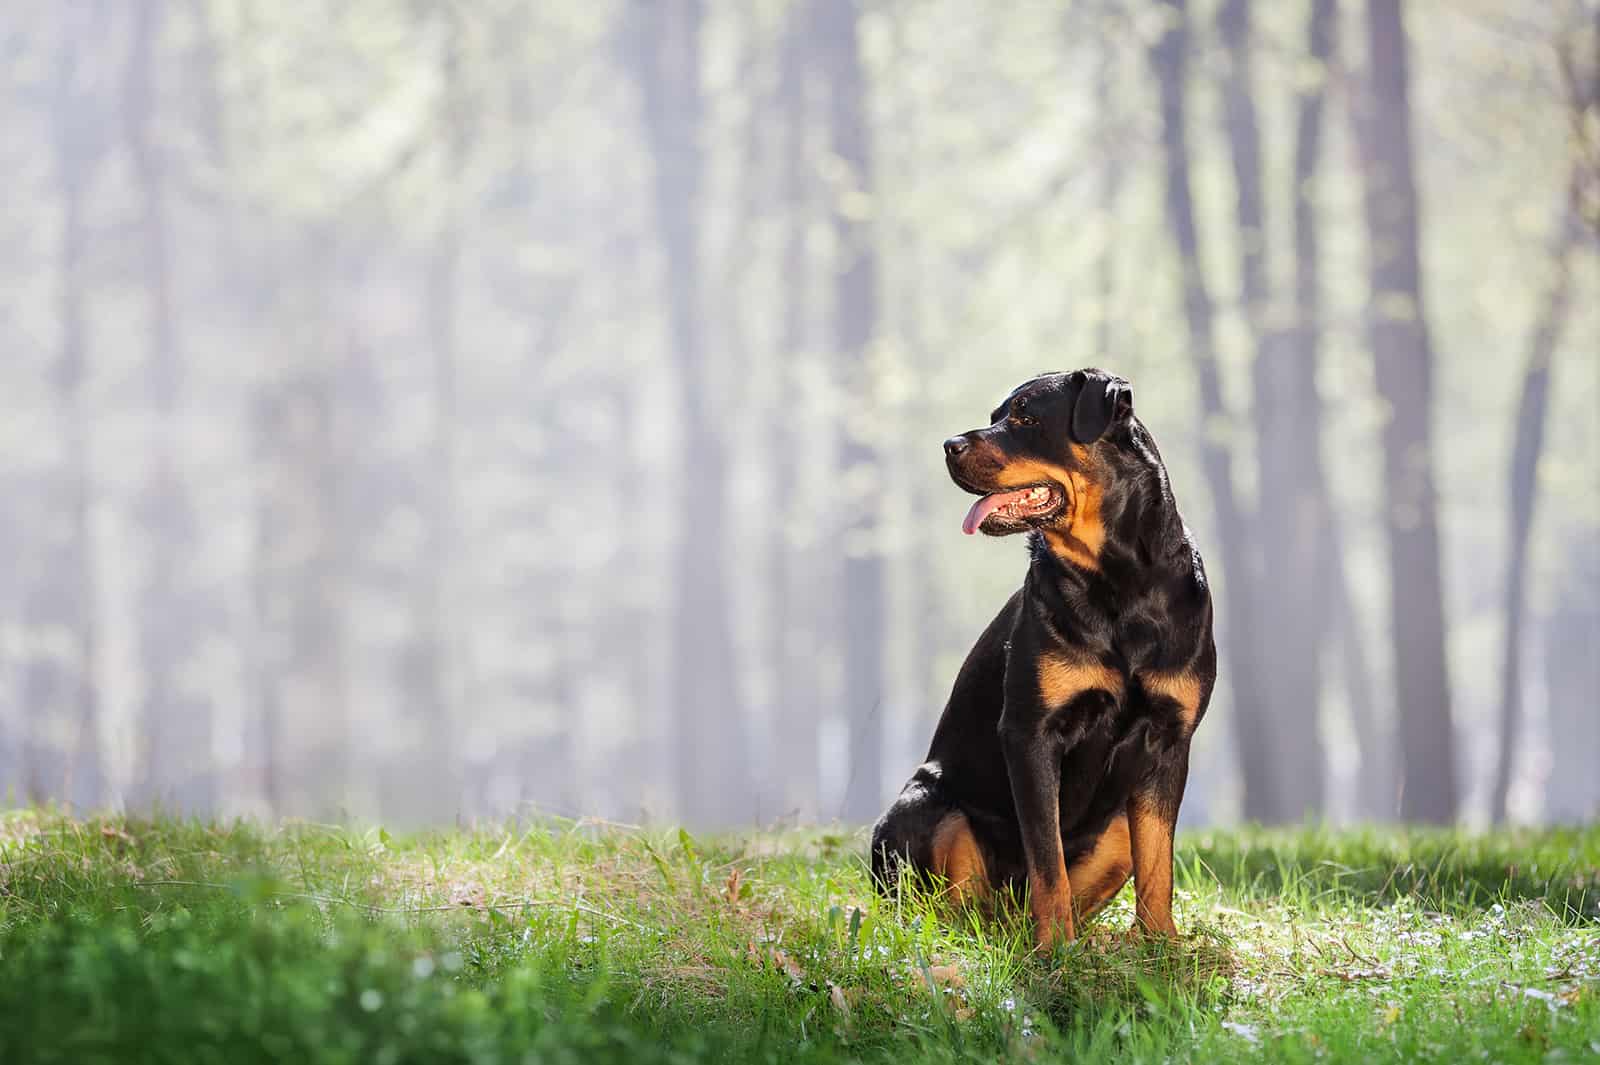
(174, 941)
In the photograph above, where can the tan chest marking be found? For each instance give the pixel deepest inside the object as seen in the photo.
(1061, 679)
(1182, 688)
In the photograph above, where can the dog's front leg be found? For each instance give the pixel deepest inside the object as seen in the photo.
(1033, 761)
(1152, 818)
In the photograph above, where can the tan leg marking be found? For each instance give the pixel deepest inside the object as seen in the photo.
(1099, 875)
(1150, 834)
(958, 858)
(1052, 909)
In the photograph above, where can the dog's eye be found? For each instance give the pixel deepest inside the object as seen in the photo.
(1020, 416)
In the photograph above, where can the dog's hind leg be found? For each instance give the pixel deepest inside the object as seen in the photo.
(925, 833)
(958, 859)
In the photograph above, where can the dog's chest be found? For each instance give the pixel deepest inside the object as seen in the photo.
(1104, 757)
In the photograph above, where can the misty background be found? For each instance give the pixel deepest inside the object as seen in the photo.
(438, 410)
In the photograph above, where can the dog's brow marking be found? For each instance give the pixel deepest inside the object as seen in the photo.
(1061, 679)
(1181, 688)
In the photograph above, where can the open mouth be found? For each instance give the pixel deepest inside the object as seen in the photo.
(1014, 508)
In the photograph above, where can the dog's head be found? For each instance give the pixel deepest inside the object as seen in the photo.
(1053, 449)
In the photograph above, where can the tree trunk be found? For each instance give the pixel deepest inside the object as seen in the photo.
(434, 662)
(1288, 421)
(296, 595)
(248, 282)
(301, 575)
(1572, 676)
(548, 761)
(60, 594)
(1234, 540)
(855, 317)
(1111, 170)
(1314, 560)
(1532, 412)
(710, 750)
(1397, 332)
(536, 765)
(797, 702)
(1378, 780)
(175, 768)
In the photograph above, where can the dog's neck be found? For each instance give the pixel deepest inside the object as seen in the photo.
(1144, 543)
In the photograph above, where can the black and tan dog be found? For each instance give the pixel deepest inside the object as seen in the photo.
(1062, 754)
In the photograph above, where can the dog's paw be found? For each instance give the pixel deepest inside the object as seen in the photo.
(1140, 932)
(1053, 932)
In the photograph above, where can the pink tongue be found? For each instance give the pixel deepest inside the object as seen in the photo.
(986, 506)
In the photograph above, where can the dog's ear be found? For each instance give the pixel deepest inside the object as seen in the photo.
(1101, 400)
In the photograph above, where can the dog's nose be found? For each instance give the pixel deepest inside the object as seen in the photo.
(954, 446)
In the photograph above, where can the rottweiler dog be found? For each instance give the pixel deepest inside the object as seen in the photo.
(1061, 757)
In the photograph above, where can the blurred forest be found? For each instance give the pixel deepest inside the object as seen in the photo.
(453, 408)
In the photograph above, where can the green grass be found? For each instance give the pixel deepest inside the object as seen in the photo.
(173, 941)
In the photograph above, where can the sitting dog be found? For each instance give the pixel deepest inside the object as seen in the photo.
(1061, 757)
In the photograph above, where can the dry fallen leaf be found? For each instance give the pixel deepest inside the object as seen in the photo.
(947, 975)
(778, 960)
(837, 997)
(786, 964)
